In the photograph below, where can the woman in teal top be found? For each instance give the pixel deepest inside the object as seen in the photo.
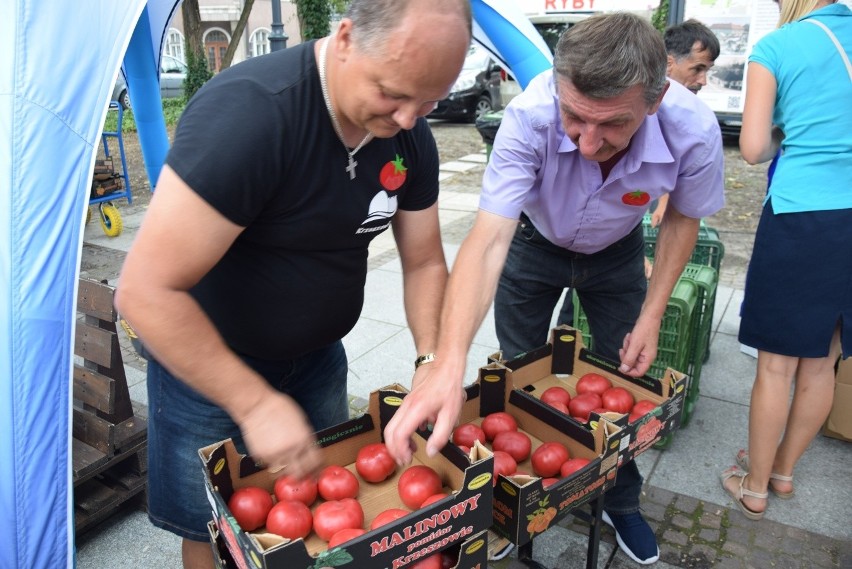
(797, 309)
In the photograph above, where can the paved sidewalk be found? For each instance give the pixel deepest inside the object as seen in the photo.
(695, 521)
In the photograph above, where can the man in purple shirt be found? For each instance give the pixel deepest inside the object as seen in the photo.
(579, 156)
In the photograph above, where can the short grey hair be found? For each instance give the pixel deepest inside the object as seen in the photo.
(605, 55)
(374, 20)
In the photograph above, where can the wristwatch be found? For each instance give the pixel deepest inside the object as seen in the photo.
(424, 359)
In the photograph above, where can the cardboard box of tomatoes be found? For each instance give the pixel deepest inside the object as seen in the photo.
(459, 512)
(526, 503)
(564, 363)
(839, 422)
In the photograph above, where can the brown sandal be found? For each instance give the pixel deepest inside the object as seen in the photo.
(743, 491)
(743, 462)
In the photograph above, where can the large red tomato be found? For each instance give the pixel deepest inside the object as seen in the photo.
(387, 516)
(503, 464)
(464, 435)
(556, 394)
(642, 408)
(594, 382)
(617, 399)
(433, 498)
(572, 465)
(583, 403)
(332, 516)
(302, 489)
(516, 443)
(291, 519)
(548, 458)
(336, 483)
(250, 506)
(374, 462)
(417, 483)
(497, 423)
(345, 535)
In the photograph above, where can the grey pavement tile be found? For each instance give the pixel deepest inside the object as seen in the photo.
(723, 300)
(730, 322)
(367, 334)
(456, 166)
(728, 374)
(128, 539)
(134, 376)
(131, 219)
(383, 298)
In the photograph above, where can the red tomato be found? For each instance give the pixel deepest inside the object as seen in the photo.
(642, 408)
(503, 464)
(345, 535)
(583, 403)
(561, 407)
(417, 483)
(433, 498)
(332, 516)
(464, 435)
(250, 506)
(387, 517)
(450, 557)
(291, 519)
(556, 394)
(336, 483)
(593, 382)
(516, 443)
(549, 481)
(497, 423)
(572, 465)
(547, 459)
(374, 462)
(289, 488)
(617, 399)
(431, 562)
(393, 174)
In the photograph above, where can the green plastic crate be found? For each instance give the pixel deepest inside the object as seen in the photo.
(706, 280)
(673, 345)
(708, 250)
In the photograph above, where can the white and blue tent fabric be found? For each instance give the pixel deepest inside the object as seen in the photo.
(58, 63)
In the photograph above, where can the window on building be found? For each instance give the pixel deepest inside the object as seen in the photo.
(174, 44)
(215, 44)
(259, 42)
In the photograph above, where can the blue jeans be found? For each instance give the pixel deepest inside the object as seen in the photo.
(611, 286)
(181, 421)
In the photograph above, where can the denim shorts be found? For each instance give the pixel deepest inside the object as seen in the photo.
(181, 421)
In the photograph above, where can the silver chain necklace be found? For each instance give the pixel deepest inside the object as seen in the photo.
(350, 167)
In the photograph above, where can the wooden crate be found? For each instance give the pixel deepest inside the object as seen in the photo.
(109, 452)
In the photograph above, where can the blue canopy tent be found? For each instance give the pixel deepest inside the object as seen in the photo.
(53, 101)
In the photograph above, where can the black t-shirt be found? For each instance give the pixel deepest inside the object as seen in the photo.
(257, 144)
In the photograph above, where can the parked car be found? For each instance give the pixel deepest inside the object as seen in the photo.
(172, 77)
(476, 91)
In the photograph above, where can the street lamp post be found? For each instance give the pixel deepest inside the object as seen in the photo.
(277, 39)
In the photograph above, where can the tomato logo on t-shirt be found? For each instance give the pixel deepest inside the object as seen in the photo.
(637, 198)
(393, 174)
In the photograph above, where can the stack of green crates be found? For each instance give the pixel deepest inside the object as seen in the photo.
(706, 279)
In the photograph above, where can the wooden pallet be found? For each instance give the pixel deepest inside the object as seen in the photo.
(109, 452)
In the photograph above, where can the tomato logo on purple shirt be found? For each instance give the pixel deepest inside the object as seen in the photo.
(637, 198)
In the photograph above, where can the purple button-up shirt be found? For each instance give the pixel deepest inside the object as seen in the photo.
(535, 168)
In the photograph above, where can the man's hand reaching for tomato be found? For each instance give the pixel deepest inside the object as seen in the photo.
(434, 400)
(277, 434)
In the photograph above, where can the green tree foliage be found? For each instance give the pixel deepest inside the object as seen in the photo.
(660, 17)
(314, 18)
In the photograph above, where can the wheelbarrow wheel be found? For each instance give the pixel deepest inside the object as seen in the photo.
(110, 220)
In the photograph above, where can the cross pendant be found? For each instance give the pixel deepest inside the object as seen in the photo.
(351, 167)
